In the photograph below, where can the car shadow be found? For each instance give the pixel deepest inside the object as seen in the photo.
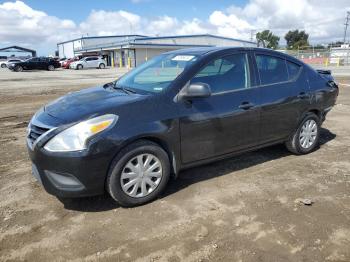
(90, 204)
(195, 175)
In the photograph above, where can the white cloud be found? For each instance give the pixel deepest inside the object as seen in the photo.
(195, 26)
(161, 25)
(110, 22)
(323, 20)
(22, 25)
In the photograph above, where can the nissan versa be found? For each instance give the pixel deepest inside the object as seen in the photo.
(178, 110)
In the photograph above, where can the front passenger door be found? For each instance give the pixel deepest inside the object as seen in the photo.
(228, 120)
(32, 63)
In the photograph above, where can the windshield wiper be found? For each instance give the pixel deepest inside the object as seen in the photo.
(123, 88)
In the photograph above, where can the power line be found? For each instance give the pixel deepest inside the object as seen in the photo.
(346, 25)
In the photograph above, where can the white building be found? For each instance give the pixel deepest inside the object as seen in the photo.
(132, 50)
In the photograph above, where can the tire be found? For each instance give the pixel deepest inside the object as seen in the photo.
(3, 66)
(79, 67)
(118, 170)
(18, 68)
(300, 146)
(50, 68)
(102, 66)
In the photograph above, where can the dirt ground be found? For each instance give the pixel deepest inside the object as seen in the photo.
(241, 209)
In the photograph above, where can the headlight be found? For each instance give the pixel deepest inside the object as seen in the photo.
(74, 138)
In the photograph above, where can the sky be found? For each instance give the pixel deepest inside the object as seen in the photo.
(40, 25)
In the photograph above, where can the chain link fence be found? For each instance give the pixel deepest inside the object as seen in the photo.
(332, 56)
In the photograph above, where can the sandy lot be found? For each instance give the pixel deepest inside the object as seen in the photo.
(241, 209)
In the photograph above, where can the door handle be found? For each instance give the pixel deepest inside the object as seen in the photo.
(303, 95)
(246, 105)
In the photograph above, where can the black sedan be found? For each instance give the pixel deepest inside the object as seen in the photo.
(180, 109)
(35, 63)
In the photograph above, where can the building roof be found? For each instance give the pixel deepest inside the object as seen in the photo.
(198, 35)
(146, 38)
(17, 49)
(96, 37)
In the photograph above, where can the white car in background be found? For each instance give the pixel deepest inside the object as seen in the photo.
(62, 60)
(4, 64)
(89, 62)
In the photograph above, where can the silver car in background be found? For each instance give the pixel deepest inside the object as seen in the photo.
(89, 62)
(4, 64)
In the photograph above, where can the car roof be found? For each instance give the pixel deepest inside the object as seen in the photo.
(202, 51)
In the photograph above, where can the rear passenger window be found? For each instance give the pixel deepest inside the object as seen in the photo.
(271, 69)
(225, 74)
(293, 70)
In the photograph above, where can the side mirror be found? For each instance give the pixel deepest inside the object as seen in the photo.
(195, 90)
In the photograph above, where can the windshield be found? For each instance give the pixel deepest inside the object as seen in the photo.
(156, 75)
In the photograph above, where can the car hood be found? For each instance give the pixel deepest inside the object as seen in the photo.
(89, 102)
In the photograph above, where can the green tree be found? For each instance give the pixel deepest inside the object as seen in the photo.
(269, 38)
(297, 39)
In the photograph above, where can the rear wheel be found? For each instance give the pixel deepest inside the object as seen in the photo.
(50, 68)
(306, 137)
(101, 66)
(138, 174)
(79, 67)
(18, 68)
(3, 66)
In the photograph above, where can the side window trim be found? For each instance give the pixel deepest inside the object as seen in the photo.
(296, 77)
(285, 61)
(225, 55)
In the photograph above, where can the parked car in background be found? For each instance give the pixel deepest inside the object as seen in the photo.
(178, 110)
(62, 60)
(4, 64)
(39, 63)
(89, 62)
(66, 63)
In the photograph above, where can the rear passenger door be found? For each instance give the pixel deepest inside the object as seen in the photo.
(92, 62)
(284, 95)
(226, 121)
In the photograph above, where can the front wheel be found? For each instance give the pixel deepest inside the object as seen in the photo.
(18, 68)
(79, 67)
(306, 137)
(138, 174)
(50, 68)
(3, 66)
(101, 66)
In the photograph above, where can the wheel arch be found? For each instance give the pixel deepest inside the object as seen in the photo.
(173, 160)
(315, 111)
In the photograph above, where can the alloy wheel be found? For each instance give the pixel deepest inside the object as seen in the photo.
(141, 175)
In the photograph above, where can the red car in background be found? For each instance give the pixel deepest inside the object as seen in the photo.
(66, 63)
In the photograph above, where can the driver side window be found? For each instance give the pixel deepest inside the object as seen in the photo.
(225, 74)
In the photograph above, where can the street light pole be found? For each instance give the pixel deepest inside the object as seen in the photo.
(346, 25)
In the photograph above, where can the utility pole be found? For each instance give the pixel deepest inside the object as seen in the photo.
(252, 32)
(346, 25)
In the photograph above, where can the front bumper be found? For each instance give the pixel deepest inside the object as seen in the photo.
(68, 174)
(71, 174)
